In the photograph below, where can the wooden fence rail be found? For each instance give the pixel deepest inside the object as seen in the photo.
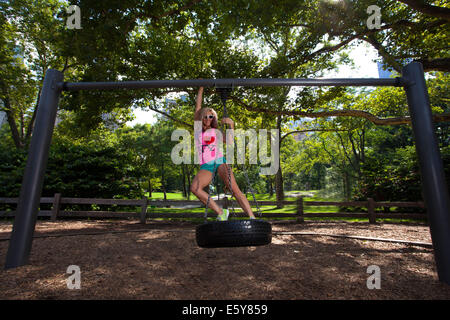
(144, 213)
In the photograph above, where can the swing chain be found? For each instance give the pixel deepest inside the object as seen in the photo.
(224, 96)
(231, 191)
(213, 180)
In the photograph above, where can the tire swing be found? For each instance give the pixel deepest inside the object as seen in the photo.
(234, 233)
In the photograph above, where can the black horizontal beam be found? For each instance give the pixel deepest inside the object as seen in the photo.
(265, 82)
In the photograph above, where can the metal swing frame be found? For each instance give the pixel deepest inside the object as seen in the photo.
(434, 186)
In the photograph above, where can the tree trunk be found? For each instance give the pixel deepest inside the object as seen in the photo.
(346, 186)
(279, 175)
(271, 187)
(163, 182)
(189, 182)
(33, 117)
(22, 125)
(184, 181)
(279, 188)
(149, 187)
(12, 124)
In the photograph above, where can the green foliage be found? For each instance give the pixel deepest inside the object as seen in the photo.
(75, 170)
(91, 171)
(395, 177)
(382, 177)
(11, 170)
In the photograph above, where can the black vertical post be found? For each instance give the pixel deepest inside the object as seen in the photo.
(434, 187)
(30, 192)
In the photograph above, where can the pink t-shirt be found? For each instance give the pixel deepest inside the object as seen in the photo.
(207, 148)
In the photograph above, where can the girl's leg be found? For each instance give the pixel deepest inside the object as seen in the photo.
(201, 180)
(240, 197)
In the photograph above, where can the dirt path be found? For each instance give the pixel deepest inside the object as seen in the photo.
(162, 261)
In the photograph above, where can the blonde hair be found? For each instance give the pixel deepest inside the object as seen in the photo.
(204, 111)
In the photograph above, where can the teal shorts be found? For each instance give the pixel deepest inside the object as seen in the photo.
(210, 165)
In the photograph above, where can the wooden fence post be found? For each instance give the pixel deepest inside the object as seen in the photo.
(371, 210)
(300, 218)
(143, 216)
(56, 205)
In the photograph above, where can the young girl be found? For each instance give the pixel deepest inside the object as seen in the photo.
(211, 158)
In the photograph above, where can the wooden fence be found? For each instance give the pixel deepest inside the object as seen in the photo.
(144, 212)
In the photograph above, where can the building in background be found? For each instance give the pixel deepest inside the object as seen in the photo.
(383, 73)
(173, 101)
(3, 119)
(389, 72)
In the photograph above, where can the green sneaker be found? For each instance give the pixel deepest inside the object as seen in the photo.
(223, 216)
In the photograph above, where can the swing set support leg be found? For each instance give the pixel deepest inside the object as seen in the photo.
(434, 187)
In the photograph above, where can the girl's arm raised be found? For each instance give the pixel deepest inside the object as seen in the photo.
(198, 104)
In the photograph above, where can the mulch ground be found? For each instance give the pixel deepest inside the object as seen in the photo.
(161, 260)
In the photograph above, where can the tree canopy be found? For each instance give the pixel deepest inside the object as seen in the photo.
(189, 39)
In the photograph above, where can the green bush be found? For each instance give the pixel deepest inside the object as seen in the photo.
(75, 170)
(397, 178)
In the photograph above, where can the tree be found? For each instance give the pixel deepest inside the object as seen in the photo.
(415, 31)
(161, 146)
(29, 46)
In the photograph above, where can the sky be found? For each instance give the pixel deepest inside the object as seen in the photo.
(363, 57)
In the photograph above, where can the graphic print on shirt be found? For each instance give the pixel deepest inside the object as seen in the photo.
(210, 145)
(207, 146)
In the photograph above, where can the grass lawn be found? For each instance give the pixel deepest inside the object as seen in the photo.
(309, 196)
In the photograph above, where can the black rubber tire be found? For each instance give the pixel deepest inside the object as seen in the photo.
(234, 233)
